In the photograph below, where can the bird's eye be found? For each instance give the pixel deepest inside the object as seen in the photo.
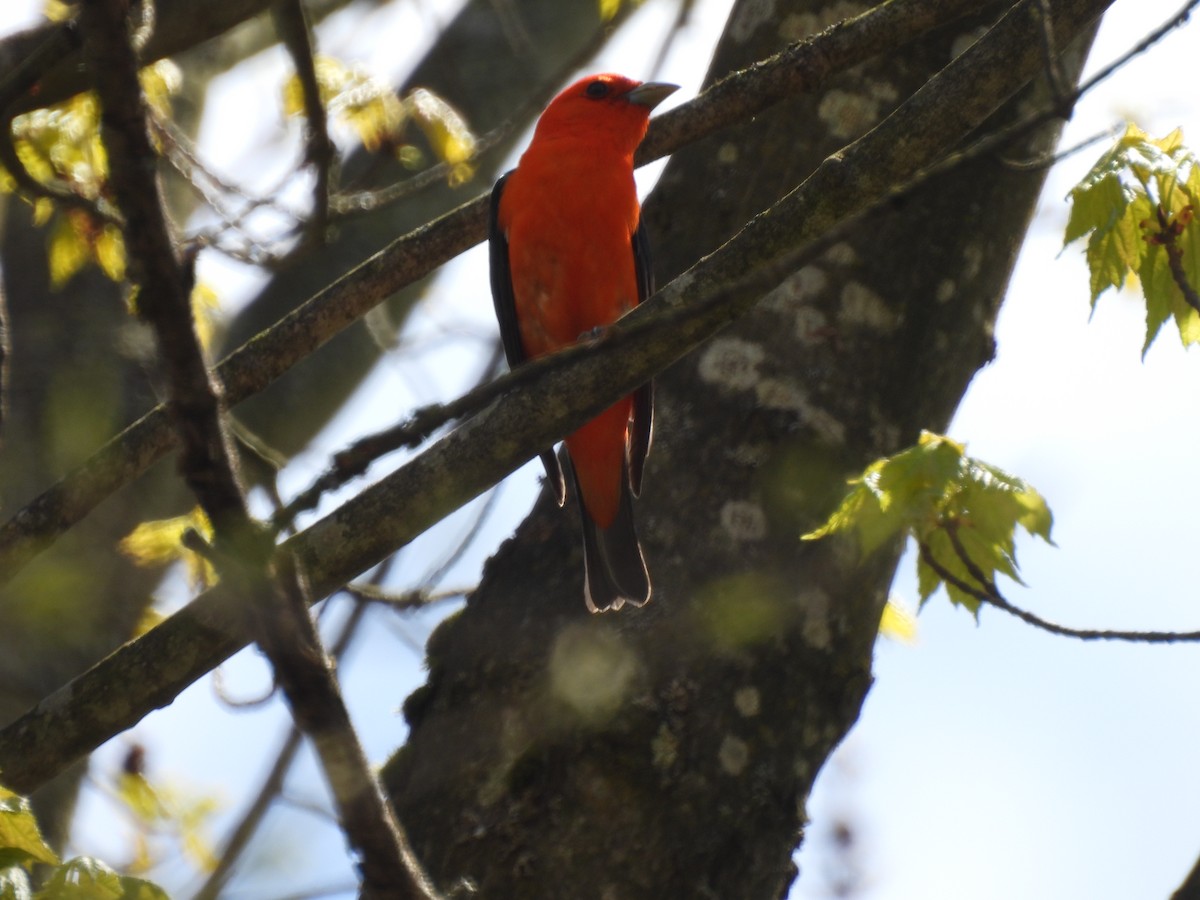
(596, 90)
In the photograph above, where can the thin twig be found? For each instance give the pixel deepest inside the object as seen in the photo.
(1167, 237)
(985, 591)
(1050, 59)
(353, 461)
(272, 786)
(1050, 160)
(291, 22)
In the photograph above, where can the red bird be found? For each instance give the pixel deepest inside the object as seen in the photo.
(569, 256)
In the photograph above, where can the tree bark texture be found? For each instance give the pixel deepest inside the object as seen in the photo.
(669, 751)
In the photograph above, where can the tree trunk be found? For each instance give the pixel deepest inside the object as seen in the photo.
(669, 751)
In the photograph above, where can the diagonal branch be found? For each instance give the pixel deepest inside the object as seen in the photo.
(984, 590)
(801, 67)
(570, 388)
(47, 56)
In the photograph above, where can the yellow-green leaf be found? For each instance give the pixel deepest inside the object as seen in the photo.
(1138, 199)
(67, 251)
(963, 512)
(352, 98)
(19, 832)
(160, 542)
(898, 623)
(205, 306)
(109, 251)
(447, 132)
(85, 878)
(160, 82)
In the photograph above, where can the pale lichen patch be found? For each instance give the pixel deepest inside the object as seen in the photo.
(862, 307)
(798, 288)
(734, 755)
(779, 393)
(747, 701)
(800, 25)
(945, 290)
(811, 325)
(964, 41)
(842, 254)
(731, 363)
(749, 16)
(973, 257)
(752, 455)
(743, 520)
(664, 749)
(849, 114)
(827, 426)
(815, 604)
(727, 153)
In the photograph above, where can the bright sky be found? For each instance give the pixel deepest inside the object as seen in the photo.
(990, 761)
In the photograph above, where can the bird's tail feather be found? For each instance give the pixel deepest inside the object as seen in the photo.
(614, 568)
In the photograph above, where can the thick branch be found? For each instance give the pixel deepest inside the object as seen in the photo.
(47, 56)
(152, 670)
(802, 67)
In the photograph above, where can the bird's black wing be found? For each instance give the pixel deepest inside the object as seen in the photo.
(643, 398)
(506, 315)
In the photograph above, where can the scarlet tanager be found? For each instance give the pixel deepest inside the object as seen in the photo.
(569, 256)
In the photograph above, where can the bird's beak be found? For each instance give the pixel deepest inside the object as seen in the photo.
(651, 93)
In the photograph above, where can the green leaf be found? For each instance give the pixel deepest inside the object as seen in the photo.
(68, 252)
(19, 830)
(14, 884)
(1140, 195)
(1158, 289)
(447, 132)
(609, 9)
(85, 878)
(938, 495)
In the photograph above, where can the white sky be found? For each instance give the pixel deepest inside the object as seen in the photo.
(989, 762)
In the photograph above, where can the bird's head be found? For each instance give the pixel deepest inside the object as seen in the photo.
(607, 105)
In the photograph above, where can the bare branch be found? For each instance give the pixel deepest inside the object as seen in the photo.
(985, 591)
(276, 610)
(292, 24)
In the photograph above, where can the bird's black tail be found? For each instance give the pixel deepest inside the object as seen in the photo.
(614, 568)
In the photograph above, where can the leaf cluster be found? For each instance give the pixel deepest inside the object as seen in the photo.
(81, 878)
(962, 511)
(1136, 208)
(369, 108)
(60, 148)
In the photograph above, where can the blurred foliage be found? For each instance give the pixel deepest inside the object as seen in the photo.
(82, 878)
(165, 814)
(963, 511)
(898, 623)
(1137, 209)
(60, 147)
(370, 109)
(160, 543)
